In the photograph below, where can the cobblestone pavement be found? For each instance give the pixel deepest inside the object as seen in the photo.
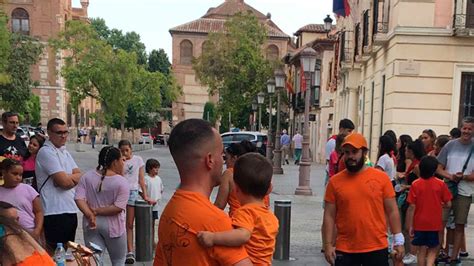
(306, 215)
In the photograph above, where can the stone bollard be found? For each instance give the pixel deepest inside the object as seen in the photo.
(283, 213)
(143, 231)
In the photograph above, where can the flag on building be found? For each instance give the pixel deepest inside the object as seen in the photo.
(341, 8)
(289, 81)
(302, 79)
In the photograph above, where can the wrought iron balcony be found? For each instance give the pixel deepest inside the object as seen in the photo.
(463, 20)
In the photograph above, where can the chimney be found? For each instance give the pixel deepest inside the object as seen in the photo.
(85, 5)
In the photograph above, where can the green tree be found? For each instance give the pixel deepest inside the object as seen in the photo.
(158, 62)
(233, 65)
(34, 109)
(24, 53)
(130, 41)
(4, 48)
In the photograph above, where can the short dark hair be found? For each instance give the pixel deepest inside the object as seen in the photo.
(7, 115)
(189, 135)
(441, 140)
(8, 164)
(253, 174)
(392, 135)
(386, 145)
(124, 142)
(428, 166)
(235, 149)
(150, 164)
(468, 119)
(55, 121)
(346, 123)
(248, 146)
(417, 148)
(455, 133)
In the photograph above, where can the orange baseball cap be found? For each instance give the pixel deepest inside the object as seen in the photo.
(356, 140)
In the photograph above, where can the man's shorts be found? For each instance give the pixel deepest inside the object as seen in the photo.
(132, 197)
(461, 207)
(373, 258)
(426, 238)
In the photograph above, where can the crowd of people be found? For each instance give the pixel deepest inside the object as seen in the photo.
(410, 205)
(421, 187)
(42, 190)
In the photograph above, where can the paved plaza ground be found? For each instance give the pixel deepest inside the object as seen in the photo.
(306, 215)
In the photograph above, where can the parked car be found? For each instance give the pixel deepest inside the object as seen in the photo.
(146, 138)
(29, 129)
(257, 138)
(159, 139)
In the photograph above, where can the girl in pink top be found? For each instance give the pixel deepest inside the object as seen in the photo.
(102, 196)
(25, 199)
(29, 161)
(335, 156)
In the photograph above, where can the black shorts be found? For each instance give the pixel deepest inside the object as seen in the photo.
(426, 238)
(155, 215)
(373, 258)
(60, 228)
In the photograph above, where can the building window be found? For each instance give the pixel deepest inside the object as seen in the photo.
(272, 52)
(343, 46)
(375, 20)
(356, 40)
(470, 14)
(466, 107)
(365, 40)
(186, 52)
(20, 21)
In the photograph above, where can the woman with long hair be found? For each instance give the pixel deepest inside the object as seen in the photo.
(403, 162)
(102, 196)
(428, 137)
(385, 162)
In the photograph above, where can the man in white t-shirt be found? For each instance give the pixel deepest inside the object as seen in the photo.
(456, 160)
(298, 142)
(57, 176)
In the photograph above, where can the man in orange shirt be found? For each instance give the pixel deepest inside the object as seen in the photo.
(358, 200)
(255, 226)
(196, 148)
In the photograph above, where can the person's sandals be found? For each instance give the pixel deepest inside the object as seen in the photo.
(130, 258)
(463, 254)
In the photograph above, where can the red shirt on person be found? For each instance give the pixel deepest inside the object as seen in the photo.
(428, 195)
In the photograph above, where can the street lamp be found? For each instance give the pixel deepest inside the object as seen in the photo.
(279, 84)
(260, 100)
(327, 25)
(271, 91)
(254, 109)
(308, 60)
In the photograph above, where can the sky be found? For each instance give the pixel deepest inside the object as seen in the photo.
(152, 19)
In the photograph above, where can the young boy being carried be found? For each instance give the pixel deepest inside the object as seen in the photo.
(254, 225)
(427, 196)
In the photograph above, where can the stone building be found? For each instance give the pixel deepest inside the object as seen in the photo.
(406, 66)
(44, 19)
(188, 40)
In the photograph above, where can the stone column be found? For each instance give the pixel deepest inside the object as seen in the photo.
(352, 104)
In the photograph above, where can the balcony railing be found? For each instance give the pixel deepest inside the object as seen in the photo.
(463, 19)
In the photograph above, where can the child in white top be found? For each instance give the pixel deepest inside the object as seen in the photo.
(154, 187)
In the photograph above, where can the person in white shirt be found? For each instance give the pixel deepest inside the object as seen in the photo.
(57, 175)
(154, 187)
(385, 160)
(298, 142)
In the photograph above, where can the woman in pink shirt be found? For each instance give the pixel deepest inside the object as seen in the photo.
(102, 196)
(29, 161)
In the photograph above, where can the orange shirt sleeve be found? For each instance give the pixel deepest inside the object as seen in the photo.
(330, 195)
(244, 218)
(388, 190)
(412, 195)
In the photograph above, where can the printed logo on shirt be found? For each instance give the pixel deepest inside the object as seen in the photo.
(12, 153)
(129, 170)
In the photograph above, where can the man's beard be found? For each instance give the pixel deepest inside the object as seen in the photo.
(354, 168)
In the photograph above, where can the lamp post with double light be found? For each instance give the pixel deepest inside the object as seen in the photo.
(271, 91)
(279, 85)
(308, 63)
(260, 100)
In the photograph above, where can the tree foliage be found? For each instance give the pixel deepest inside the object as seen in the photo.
(4, 48)
(158, 62)
(233, 65)
(25, 52)
(130, 41)
(210, 113)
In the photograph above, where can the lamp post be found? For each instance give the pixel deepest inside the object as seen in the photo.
(279, 84)
(327, 25)
(254, 109)
(308, 60)
(271, 91)
(260, 100)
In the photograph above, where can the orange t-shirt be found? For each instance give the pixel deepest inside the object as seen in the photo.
(186, 214)
(360, 216)
(37, 259)
(263, 225)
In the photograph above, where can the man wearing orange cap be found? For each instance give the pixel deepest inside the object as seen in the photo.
(358, 200)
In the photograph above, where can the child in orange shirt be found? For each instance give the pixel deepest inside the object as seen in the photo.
(254, 225)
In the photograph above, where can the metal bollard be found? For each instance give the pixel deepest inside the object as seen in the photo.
(283, 213)
(143, 231)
